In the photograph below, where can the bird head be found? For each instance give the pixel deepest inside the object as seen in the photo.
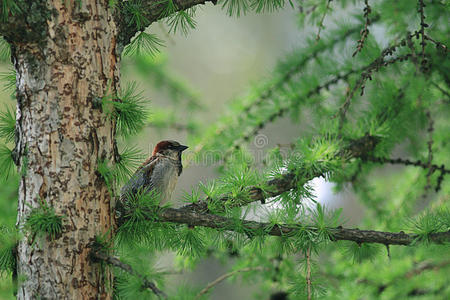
(169, 148)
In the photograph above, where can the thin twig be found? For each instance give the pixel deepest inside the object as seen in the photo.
(283, 110)
(406, 162)
(308, 271)
(418, 163)
(430, 149)
(422, 28)
(321, 21)
(152, 11)
(114, 261)
(309, 11)
(367, 74)
(444, 92)
(299, 66)
(223, 277)
(427, 265)
(438, 44)
(439, 181)
(424, 266)
(167, 36)
(411, 47)
(374, 66)
(365, 30)
(388, 250)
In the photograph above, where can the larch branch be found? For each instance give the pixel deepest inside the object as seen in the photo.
(192, 218)
(152, 11)
(358, 148)
(308, 272)
(223, 277)
(116, 262)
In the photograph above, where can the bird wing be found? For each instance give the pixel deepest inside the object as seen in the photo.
(141, 178)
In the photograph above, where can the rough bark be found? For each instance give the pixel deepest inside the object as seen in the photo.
(61, 136)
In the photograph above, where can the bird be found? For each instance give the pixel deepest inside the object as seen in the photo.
(158, 174)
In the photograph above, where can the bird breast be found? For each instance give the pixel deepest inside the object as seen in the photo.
(164, 178)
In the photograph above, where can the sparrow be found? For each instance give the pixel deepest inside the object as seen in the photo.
(159, 173)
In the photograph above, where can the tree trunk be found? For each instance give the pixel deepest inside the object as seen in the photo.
(61, 136)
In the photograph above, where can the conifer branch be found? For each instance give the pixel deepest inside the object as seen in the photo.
(438, 44)
(308, 271)
(223, 277)
(192, 218)
(376, 65)
(425, 266)
(152, 11)
(418, 163)
(321, 20)
(367, 72)
(430, 149)
(283, 110)
(406, 162)
(277, 186)
(444, 92)
(412, 49)
(365, 31)
(422, 29)
(417, 270)
(358, 148)
(114, 261)
(439, 181)
(287, 76)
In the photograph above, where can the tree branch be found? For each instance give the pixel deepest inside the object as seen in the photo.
(422, 28)
(358, 148)
(152, 11)
(287, 77)
(223, 277)
(192, 218)
(114, 261)
(365, 31)
(308, 271)
(424, 266)
(406, 162)
(321, 20)
(284, 109)
(427, 265)
(288, 181)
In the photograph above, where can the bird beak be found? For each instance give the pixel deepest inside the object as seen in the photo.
(181, 148)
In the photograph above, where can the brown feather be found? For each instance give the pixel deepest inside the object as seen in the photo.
(163, 145)
(148, 161)
(159, 172)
